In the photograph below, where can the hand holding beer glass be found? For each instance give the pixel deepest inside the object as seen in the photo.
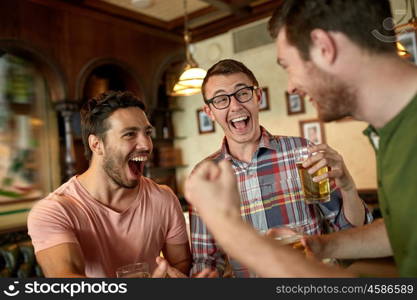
(287, 235)
(314, 192)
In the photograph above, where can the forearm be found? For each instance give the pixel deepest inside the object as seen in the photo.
(62, 261)
(267, 259)
(369, 241)
(178, 256)
(64, 275)
(353, 206)
(183, 266)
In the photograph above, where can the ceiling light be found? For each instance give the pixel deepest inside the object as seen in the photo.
(411, 25)
(142, 3)
(191, 79)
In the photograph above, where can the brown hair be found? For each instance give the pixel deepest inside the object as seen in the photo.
(227, 67)
(367, 23)
(97, 110)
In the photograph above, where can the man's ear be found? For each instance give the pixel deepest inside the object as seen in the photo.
(95, 144)
(208, 111)
(259, 93)
(323, 51)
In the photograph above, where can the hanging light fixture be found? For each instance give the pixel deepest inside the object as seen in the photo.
(142, 3)
(411, 25)
(401, 51)
(191, 79)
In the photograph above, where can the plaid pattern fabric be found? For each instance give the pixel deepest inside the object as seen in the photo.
(271, 196)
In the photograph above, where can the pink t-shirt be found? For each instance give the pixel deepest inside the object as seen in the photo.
(108, 239)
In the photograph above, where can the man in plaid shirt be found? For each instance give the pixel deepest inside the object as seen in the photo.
(268, 180)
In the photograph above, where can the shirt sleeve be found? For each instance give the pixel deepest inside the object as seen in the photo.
(176, 233)
(408, 267)
(49, 225)
(333, 214)
(206, 253)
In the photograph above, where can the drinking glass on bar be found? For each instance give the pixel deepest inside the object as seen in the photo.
(136, 270)
(314, 192)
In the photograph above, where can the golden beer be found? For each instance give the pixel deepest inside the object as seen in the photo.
(293, 241)
(314, 192)
(136, 275)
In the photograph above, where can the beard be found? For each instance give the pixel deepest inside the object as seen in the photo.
(111, 165)
(334, 98)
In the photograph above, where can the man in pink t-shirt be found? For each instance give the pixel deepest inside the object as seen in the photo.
(110, 215)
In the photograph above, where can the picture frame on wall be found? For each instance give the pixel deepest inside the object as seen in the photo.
(313, 130)
(408, 39)
(264, 102)
(295, 104)
(204, 123)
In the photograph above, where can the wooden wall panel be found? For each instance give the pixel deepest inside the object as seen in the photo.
(73, 37)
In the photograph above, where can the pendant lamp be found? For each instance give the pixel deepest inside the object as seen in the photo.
(191, 79)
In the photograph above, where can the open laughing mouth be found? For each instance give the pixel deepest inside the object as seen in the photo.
(136, 163)
(240, 123)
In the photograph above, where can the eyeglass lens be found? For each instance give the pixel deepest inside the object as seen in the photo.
(223, 101)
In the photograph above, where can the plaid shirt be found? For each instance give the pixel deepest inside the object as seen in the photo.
(271, 196)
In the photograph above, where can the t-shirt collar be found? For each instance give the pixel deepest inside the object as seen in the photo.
(265, 141)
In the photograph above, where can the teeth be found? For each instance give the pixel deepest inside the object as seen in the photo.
(239, 119)
(140, 158)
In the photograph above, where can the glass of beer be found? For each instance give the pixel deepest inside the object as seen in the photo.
(136, 270)
(314, 192)
(292, 240)
(289, 234)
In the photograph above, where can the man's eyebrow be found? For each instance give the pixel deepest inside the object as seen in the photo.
(133, 128)
(223, 92)
(240, 85)
(218, 92)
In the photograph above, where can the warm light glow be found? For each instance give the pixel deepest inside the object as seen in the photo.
(401, 50)
(189, 82)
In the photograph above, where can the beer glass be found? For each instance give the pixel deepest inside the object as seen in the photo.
(136, 270)
(288, 235)
(314, 192)
(293, 240)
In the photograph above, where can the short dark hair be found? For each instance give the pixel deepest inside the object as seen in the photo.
(359, 20)
(97, 110)
(227, 67)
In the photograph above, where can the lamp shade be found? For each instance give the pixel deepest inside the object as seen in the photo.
(402, 51)
(189, 82)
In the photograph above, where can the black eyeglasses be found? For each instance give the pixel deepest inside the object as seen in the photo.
(223, 101)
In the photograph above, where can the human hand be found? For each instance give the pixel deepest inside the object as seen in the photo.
(324, 155)
(314, 246)
(207, 273)
(165, 270)
(287, 235)
(212, 190)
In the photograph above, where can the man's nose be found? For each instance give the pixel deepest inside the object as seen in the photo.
(234, 103)
(144, 142)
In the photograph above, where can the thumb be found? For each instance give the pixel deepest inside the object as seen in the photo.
(161, 269)
(207, 170)
(227, 173)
